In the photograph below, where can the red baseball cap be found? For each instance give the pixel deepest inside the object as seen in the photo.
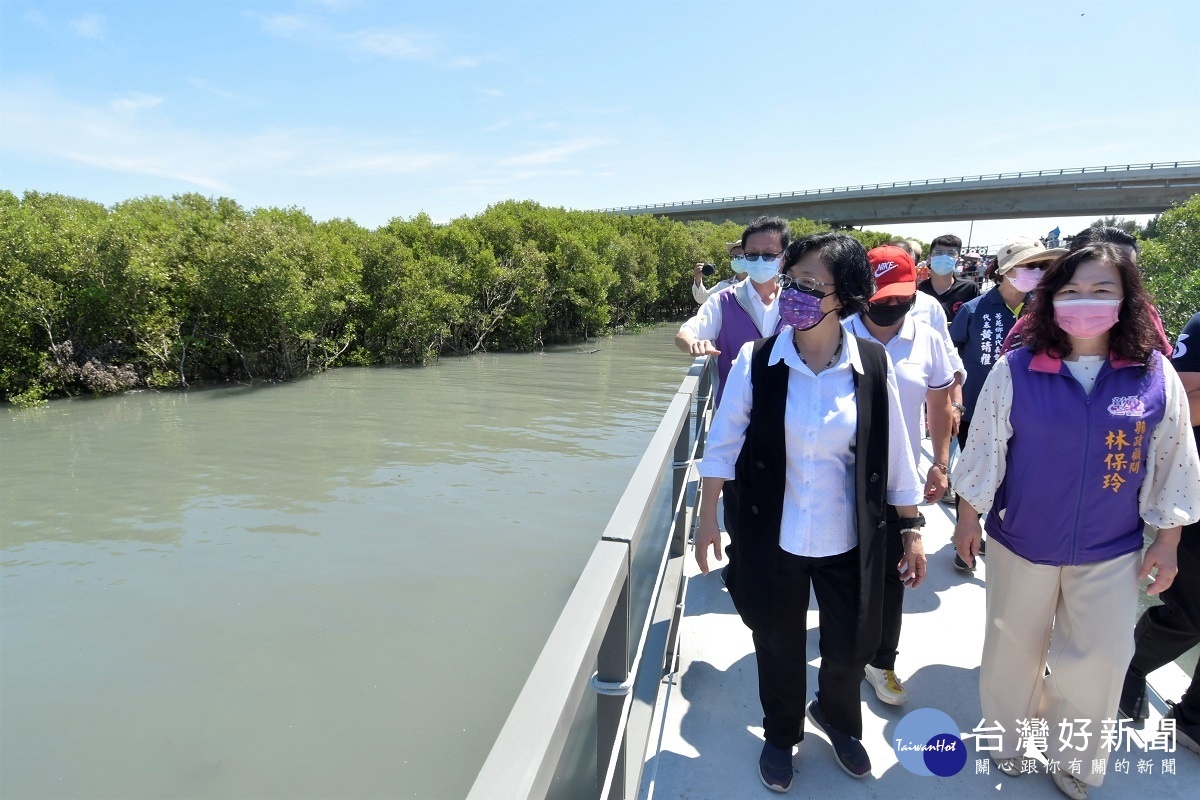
(895, 273)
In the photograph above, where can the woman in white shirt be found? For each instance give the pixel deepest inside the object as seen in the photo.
(810, 426)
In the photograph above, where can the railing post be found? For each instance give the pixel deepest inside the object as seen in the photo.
(612, 666)
(681, 467)
(704, 397)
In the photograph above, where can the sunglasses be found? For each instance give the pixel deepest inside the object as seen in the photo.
(763, 256)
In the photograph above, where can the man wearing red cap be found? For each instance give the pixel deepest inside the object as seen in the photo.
(925, 375)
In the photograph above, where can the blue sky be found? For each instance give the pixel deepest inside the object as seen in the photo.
(372, 110)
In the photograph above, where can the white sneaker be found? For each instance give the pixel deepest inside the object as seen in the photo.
(887, 686)
(1069, 785)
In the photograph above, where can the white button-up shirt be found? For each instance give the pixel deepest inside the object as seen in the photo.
(707, 322)
(700, 294)
(921, 362)
(820, 427)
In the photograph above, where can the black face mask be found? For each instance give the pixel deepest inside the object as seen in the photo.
(887, 316)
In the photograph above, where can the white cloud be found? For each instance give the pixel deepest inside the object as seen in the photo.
(42, 124)
(135, 101)
(390, 43)
(395, 44)
(335, 5)
(210, 87)
(470, 62)
(288, 27)
(89, 26)
(37, 18)
(553, 155)
(382, 163)
(386, 43)
(497, 126)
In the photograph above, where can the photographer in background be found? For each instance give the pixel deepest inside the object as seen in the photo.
(736, 263)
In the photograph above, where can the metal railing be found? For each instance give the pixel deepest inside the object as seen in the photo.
(596, 645)
(1042, 173)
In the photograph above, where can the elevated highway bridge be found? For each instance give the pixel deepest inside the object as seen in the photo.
(1123, 189)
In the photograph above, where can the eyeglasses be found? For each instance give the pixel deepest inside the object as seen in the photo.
(803, 283)
(763, 256)
(940, 252)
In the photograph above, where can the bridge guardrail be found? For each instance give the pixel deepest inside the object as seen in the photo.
(1044, 173)
(594, 645)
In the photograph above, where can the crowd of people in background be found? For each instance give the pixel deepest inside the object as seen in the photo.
(1059, 421)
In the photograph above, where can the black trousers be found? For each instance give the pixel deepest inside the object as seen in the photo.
(782, 660)
(1168, 631)
(893, 595)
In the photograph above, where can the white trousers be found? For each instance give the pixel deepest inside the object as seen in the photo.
(1076, 620)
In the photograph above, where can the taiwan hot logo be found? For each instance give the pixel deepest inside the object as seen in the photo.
(927, 743)
(1131, 406)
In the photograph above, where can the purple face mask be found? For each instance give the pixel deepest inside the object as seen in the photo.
(800, 310)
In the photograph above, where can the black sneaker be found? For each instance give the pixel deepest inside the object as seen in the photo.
(1187, 734)
(1134, 704)
(851, 755)
(961, 565)
(775, 768)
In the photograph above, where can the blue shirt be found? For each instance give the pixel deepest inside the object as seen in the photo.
(979, 329)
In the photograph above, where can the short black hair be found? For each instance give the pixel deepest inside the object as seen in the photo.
(846, 258)
(1106, 234)
(771, 225)
(947, 240)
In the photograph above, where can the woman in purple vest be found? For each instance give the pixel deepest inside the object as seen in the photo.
(1078, 437)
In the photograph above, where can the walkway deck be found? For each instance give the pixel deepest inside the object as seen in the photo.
(711, 732)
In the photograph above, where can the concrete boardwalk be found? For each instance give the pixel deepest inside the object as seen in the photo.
(711, 730)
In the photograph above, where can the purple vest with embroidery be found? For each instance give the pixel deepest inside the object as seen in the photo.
(737, 328)
(1076, 462)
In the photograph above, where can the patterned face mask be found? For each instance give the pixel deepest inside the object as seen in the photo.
(800, 310)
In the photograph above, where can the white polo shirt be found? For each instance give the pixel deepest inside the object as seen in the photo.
(921, 362)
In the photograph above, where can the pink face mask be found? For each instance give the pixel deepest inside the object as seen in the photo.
(1086, 319)
(1025, 279)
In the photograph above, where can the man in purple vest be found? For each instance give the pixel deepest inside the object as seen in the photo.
(742, 313)
(745, 311)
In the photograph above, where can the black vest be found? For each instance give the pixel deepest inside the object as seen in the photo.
(761, 474)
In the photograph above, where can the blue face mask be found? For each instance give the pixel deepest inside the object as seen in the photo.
(943, 265)
(762, 270)
(738, 265)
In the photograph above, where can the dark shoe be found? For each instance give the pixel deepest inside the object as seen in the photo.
(961, 565)
(775, 768)
(1187, 734)
(1134, 705)
(851, 755)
